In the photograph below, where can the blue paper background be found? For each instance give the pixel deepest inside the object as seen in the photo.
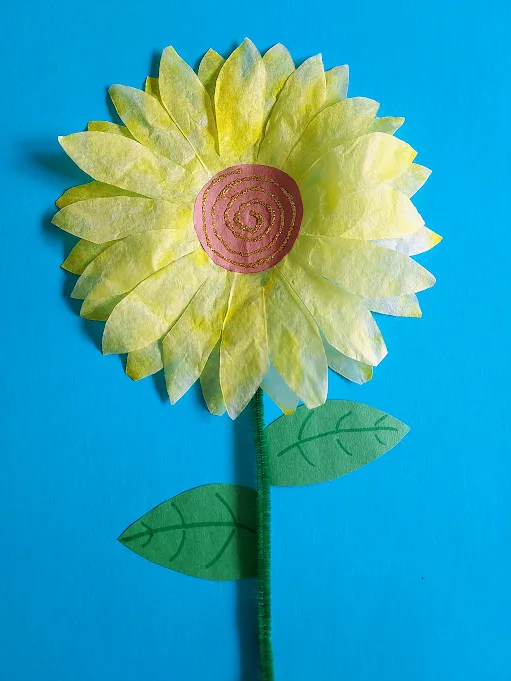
(398, 572)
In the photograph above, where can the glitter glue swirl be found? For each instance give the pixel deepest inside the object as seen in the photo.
(248, 217)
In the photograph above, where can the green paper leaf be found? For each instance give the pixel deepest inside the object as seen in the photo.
(207, 532)
(324, 443)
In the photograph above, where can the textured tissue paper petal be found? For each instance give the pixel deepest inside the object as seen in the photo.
(372, 214)
(388, 124)
(244, 349)
(125, 163)
(90, 190)
(278, 391)
(189, 106)
(83, 254)
(420, 241)
(148, 312)
(362, 267)
(152, 87)
(341, 316)
(295, 345)
(210, 383)
(239, 104)
(188, 344)
(337, 80)
(242, 223)
(116, 217)
(355, 371)
(333, 126)
(279, 66)
(151, 125)
(300, 99)
(106, 126)
(144, 362)
(209, 68)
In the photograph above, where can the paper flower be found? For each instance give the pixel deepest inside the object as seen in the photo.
(242, 226)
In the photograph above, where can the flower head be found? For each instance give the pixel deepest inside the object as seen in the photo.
(242, 225)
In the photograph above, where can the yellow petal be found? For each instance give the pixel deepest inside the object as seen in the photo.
(152, 87)
(209, 68)
(83, 254)
(379, 213)
(364, 163)
(239, 104)
(90, 190)
(126, 263)
(300, 99)
(412, 180)
(387, 124)
(419, 242)
(342, 317)
(400, 306)
(244, 346)
(150, 124)
(99, 309)
(295, 345)
(148, 312)
(106, 126)
(145, 362)
(279, 66)
(334, 125)
(125, 163)
(190, 341)
(358, 372)
(278, 391)
(108, 219)
(189, 106)
(336, 84)
(361, 267)
(210, 383)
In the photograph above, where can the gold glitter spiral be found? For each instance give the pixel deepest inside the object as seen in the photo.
(248, 217)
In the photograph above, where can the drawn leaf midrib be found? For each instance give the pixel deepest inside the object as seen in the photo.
(188, 526)
(368, 429)
(151, 531)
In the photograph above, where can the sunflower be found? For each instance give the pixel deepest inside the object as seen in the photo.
(242, 226)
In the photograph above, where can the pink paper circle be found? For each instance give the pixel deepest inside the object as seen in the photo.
(248, 216)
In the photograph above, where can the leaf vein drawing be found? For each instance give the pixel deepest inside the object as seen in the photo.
(176, 508)
(202, 547)
(369, 429)
(346, 451)
(229, 509)
(342, 437)
(179, 548)
(183, 536)
(151, 535)
(187, 526)
(222, 550)
(300, 449)
(305, 422)
(344, 416)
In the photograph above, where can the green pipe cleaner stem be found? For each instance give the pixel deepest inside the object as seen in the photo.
(264, 542)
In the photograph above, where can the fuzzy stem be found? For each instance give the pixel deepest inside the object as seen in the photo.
(264, 542)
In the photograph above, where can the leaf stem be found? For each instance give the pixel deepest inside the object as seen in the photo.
(264, 541)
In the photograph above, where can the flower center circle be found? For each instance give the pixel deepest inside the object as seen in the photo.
(248, 217)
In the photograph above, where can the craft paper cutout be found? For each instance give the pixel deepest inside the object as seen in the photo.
(321, 444)
(248, 217)
(207, 532)
(160, 201)
(240, 228)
